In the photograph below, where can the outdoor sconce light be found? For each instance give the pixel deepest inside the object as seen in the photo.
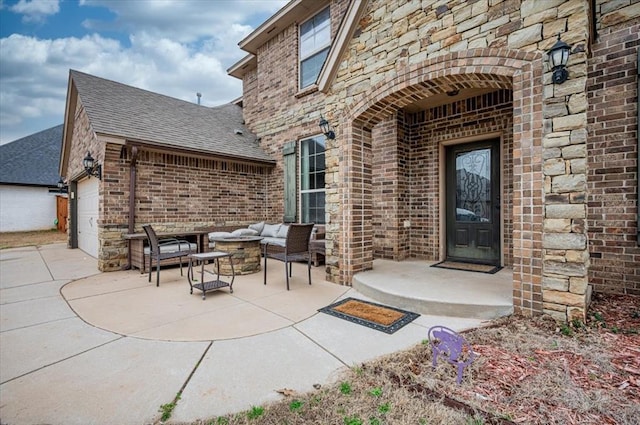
(91, 167)
(558, 58)
(326, 128)
(62, 188)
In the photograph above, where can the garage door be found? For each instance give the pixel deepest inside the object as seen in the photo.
(88, 216)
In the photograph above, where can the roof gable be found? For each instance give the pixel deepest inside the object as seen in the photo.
(293, 12)
(32, 160)
(137, 115)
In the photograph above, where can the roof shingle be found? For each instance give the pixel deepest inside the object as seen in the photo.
(32, 160)
(129, 112)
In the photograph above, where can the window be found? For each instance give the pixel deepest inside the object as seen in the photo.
(315, 41)
(312, 170)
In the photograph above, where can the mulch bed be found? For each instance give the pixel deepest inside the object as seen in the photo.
(534, 371)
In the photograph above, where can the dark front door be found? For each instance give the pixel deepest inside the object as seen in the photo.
(473, 202)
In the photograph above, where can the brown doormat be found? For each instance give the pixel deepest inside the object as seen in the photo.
(468, 267)
(376, 316)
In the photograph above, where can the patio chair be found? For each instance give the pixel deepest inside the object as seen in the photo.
(296, 248)
(162, 249)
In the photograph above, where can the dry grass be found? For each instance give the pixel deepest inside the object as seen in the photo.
(529, 371)
(41, 237)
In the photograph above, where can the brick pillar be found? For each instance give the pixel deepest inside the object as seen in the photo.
(349, 227)
(565, 286)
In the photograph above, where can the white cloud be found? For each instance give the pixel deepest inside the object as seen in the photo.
(36, 10)
(175, 48)
(185, 21)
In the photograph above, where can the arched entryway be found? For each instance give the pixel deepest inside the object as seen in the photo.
(391, 146)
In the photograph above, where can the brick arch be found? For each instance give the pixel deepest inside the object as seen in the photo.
(476, 68)
(499, 68)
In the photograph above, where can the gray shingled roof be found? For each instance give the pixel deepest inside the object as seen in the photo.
(120, 110)
(32, 160)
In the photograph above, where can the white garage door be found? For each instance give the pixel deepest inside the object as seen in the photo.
(88, 216)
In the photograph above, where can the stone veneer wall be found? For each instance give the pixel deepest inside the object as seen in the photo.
(404, 51)
(613, 149)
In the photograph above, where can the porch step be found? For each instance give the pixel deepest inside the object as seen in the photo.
(415, 286)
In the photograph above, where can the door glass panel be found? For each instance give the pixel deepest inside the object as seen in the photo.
(473, 186)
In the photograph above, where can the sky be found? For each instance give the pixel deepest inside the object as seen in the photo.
(172, 47)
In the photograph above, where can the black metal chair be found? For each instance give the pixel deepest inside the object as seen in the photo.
(296, 249)
(163, 249)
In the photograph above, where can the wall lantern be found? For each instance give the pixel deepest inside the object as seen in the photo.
(558, 58)
(91, 167)
(326, 128)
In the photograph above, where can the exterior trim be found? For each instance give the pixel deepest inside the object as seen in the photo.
(340, 44)
(294, 11)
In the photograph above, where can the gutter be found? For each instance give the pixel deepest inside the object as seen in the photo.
(132, 198)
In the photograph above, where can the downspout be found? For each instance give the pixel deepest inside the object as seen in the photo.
(638, 147)
(132, 198)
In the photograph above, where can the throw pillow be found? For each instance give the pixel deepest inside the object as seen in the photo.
(257, 227)
(214, 235)
(282, 233)
(244, 232)
(270, 230)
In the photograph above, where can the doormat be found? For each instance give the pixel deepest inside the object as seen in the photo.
(375, 316)
(468, 267)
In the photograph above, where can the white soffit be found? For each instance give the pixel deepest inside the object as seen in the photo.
(294, 11)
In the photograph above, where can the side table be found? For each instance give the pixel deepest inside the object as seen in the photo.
(210, 285)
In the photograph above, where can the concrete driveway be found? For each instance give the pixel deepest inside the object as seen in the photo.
(82, 347)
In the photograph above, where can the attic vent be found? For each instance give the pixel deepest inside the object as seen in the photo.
(236, 131)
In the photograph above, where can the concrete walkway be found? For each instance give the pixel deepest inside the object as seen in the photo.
(82, 347)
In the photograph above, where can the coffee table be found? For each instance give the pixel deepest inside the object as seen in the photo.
(209, 285)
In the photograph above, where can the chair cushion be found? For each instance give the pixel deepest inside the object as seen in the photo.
(245, 232)
(274, 241)
(257, 227)
(270, 230)
(173, 247)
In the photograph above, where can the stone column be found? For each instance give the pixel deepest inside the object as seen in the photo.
(565, 288)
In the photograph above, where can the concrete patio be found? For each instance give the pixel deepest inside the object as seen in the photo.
(82, 347)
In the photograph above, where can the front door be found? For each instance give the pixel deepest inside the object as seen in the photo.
(473, 202)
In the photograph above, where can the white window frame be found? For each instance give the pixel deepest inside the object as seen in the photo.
(317, 49)
(301, 170)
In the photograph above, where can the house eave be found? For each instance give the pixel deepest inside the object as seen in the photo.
(294, 11)
(160, 147)
(244, 65)
(67, 131)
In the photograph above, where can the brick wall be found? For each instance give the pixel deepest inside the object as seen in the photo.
(613, 150)
(178, 193)
(406, 51)
(406, 172)
(172, 191)
(470, 119)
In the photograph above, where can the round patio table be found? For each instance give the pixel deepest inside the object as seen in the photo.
(245, 252)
